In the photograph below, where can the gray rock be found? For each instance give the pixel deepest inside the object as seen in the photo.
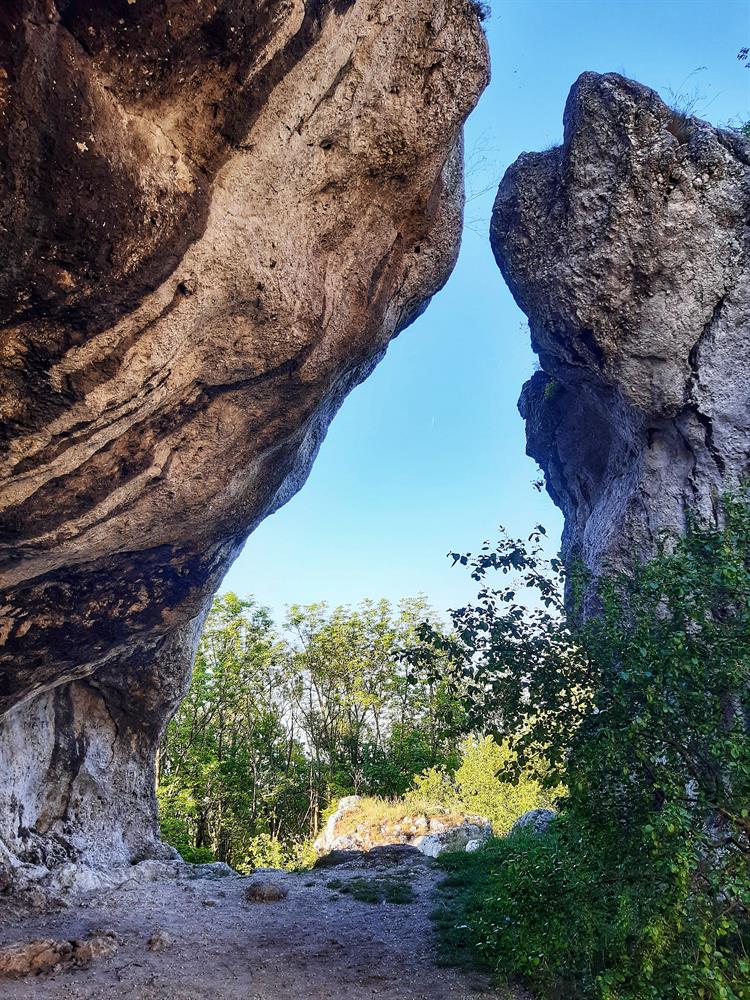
(627, 247)
(456, 838)
(327, 841)
(534, 821)
(214, 870)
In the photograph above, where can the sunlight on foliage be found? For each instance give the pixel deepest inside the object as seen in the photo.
(640, 890)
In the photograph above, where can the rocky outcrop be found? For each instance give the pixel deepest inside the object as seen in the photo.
(627, 247)
(215, 216)
(351, 830)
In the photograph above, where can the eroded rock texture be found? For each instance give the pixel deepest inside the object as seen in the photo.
(627, 247)
(213, 217)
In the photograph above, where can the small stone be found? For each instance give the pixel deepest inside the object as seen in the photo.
(265, 892)
(159, 941)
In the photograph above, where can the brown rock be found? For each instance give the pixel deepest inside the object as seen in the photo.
(25, 958)
(265, 892)
(159, 941)
(213, 218)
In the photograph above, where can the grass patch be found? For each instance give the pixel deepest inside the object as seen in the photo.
(466, 877)
(375, 890)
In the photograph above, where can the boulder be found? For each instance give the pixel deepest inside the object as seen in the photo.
(264, 891)
(534, 821)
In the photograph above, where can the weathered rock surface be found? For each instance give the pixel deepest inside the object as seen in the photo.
(213, 218)
(24, 958)
(430, 835)
(534, 821)
(627, 247)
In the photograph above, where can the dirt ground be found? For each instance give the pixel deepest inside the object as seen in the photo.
(317, 944)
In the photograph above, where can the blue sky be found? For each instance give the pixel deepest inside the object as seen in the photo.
(428, 454)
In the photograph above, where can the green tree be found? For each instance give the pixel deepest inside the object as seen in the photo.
(277, 724)
(642, 889)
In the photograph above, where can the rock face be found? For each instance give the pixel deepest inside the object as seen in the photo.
(215, 216)
(534, 821)
(430, 835)
(627, 247)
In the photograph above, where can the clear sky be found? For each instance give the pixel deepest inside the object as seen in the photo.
(428, 454)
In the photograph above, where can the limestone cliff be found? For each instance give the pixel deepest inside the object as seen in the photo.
(213, 218)
(627, 247)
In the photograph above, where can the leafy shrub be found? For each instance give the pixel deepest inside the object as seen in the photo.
(196, 855)
(482, 790)
(434, 786)
(480, 785)
(266, 851)
(641, 889)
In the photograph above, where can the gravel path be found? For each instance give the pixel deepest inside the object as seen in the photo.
(314, 945)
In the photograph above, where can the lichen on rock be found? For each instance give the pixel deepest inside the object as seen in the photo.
(627, 248)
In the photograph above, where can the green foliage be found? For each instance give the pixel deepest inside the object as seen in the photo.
(278, 723)
(641, 889)
(483, 791)
(433, 785)
(478, 786)
(393, 889)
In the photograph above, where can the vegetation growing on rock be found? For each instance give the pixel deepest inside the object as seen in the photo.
(640, 890)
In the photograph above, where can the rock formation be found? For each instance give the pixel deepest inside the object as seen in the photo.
(627, 247)
(214, 217)
(351, 829)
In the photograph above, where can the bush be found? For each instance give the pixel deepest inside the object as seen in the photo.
(482, 790)
(483, 785)
(641, 888)
(265, 851)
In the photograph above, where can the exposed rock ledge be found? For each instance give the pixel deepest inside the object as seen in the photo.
(627, 247)
(347, 830)
(213, 218)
